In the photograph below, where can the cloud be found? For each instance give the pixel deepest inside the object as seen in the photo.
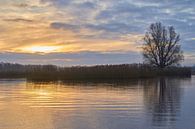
(114, 27)
(69, 59)
(58, 3)
(18, 20)
(58, 25)
(89, 5)
(22, 5)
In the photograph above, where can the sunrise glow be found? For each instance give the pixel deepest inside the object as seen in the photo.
(115, 28)
(41, 49)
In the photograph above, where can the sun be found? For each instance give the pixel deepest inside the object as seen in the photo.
(42, 49)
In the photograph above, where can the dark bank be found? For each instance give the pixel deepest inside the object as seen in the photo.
(123, 71)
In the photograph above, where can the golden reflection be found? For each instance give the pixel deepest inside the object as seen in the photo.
(73, 97)
(40, 102)
(69, 99)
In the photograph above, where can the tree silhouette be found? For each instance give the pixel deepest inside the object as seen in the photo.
(161, 46)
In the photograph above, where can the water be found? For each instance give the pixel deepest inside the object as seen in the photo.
(166, 103)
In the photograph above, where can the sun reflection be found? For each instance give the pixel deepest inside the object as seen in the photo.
(43, 93)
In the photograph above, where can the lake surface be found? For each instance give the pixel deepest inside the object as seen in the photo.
(164, 103)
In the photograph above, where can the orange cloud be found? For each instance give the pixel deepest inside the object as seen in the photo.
(25, 28)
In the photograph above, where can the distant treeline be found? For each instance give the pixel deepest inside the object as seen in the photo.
(123, 71)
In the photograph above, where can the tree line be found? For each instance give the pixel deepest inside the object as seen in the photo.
(123, 71)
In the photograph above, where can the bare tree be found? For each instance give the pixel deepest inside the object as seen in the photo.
(161, 46)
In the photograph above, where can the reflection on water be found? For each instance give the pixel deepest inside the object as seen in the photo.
(137, 104)
(163, 98)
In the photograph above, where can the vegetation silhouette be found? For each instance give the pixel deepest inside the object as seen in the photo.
(123, 71)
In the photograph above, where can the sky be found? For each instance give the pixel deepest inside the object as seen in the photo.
(88, 32)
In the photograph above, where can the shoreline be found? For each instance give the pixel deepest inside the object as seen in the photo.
(98, 72)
